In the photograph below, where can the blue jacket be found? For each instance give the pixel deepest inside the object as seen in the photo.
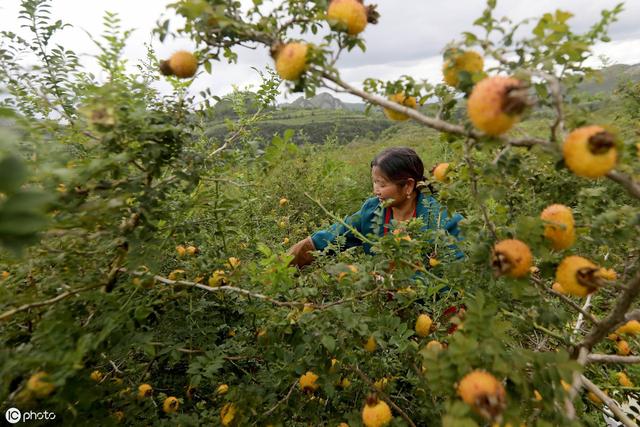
(428, 208)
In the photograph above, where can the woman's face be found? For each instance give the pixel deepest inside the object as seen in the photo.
(385, 190)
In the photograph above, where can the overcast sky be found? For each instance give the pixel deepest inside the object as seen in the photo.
(407, 40)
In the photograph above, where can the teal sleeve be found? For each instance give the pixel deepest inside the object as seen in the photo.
(321, 239)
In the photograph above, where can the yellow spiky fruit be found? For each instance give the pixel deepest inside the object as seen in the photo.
(622, 348)
(577, 276)
(423, 325)
(170, 405)
(308, 383)
(512, 258)
(39, 386)
(624, 380)
(291, 60)
(590, 151)
(632, 327)
(371, 344)
(484, 393)
(434, 345)
(96, 376)
(228, 414)
(402, 99)
(440, 172)
(559, 226)
(183, 64)
(458, 61)
(144, 390)
(349, 15)
(376, 413)
(496, 104)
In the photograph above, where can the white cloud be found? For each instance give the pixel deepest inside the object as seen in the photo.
(407, 40)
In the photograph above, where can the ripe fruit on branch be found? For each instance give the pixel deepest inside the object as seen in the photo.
(170, 405)
(632, 327)
(370, 345)
(624, 380)
(558, 288)
(559, 226)
(423, 325)
(308, 382)
(181, 250)
(96, 376)
(222, 389)
(622, 348)
(39, 386)
(182, 64)
(217, 278)
(227, 414)
(457, 61)
(291, 59)
(402, 99)
(590, 151)
(283, 202)
(347, 15)
(376, 413)
(496, 104)
(578, 276)
(434, 345)
(145, 390)
(484, 393)
(192, 250)
(511, 258)
(440, 172)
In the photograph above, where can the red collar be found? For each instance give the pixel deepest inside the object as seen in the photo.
(387, 217)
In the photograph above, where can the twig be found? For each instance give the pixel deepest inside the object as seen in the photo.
(627, 182)
(334, 217)
(502, 152)
(585, 309)
(564, 299)
(233, 289)
(474, 189)
(611, 404)
(617, 315)
(612, 358)
(431, 122)
(576, 385)
(283, 400)
(379, 392)
(54, 300)
(555, 88)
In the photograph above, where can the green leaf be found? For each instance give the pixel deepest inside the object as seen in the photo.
(329, 343)
(13, 173)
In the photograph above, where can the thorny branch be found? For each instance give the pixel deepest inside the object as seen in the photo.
(611, 404)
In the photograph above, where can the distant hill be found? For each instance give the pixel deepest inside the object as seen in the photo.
(323, 101)
(608, 78)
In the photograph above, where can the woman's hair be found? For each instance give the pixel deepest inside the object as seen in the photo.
(399, 164)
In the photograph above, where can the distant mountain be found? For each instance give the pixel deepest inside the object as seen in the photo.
(323, 101)
(608, 78)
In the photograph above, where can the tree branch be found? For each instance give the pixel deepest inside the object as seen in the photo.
(564, 299)
(431, 122)
(64, 295)
(612, 358)
(611, 404)
(617, 315)
(627, 182)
